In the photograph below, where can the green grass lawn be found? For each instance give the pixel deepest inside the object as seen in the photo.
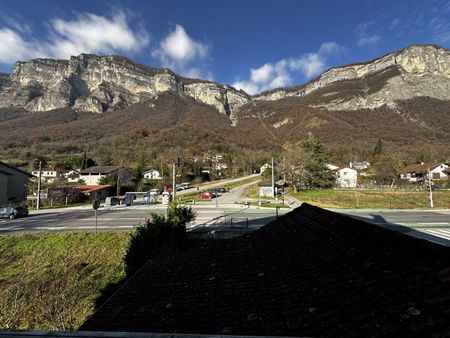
(52, 281)
(374, 199)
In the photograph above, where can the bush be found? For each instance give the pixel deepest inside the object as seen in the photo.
(160, 237)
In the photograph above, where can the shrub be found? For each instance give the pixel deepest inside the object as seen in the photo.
(159, 237)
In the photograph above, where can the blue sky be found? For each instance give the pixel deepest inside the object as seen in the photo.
(252, 44)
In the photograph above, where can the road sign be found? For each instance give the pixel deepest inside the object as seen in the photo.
(96, 204)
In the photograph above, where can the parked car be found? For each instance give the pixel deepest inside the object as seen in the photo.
(156, 191)
(13, 212)
(207, 194)
(112, 200)
(186, 185)
(220, 190)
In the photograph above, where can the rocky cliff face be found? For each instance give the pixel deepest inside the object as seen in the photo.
(99, 84)
(420, 71)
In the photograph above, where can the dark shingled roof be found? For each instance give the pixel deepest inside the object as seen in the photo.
(14, 168)
(311, 273)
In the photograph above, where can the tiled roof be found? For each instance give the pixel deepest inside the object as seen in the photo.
(99, 170)
(421, 168)
(311, 273)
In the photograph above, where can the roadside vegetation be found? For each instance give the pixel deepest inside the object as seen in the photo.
(160, 237)
(52, 281)
(373, 199)
(55, 281)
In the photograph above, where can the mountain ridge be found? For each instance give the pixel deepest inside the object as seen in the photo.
(46, 104)
(94, 83)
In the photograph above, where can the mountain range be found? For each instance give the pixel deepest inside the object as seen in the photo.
(56, 107)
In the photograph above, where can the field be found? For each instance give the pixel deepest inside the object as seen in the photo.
(374, 199)
(52, 281)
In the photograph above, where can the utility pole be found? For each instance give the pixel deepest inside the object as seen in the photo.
(273, 181)
(431, 190)
(118, 184)
(173, 181)
(38, 202)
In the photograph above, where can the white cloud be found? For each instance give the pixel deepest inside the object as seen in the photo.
(87, 33)
(181, 53)
(95, 34)
(13, 47)
(363, 37)
(279, 74)
(365, 40)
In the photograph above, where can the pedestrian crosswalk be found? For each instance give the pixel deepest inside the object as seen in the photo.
(438, 232)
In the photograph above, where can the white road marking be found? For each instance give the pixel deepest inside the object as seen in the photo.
(105, 227)
(101, 219)
(50, 228)
(433, 223)
(437, 232)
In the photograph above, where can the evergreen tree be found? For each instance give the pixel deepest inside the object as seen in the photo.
(378, 149)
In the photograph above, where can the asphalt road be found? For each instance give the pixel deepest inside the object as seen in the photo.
(412, 218)
(433, 225)
(120, 218)
(224, 214)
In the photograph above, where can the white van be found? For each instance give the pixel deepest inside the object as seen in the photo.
(166, 197)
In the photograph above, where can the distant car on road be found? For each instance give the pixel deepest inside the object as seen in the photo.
(208, 194)
(13, 212)
(156, 191)
(220, 190)
(186, 185)
(112, 200)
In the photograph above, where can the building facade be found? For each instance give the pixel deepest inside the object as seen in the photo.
(13, 184)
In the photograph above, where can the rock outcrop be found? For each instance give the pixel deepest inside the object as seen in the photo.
(420, 71)
(98, 84)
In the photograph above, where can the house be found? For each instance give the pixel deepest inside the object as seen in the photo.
(72, 176)
(264, 167)
(310, 273)
(221, 166)
(360, 166)
(447, 172)
(439, 172)
(152, 174)
(93, 175)
(13, 184)
(346, 178)
(50, 174)
(419, 172)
